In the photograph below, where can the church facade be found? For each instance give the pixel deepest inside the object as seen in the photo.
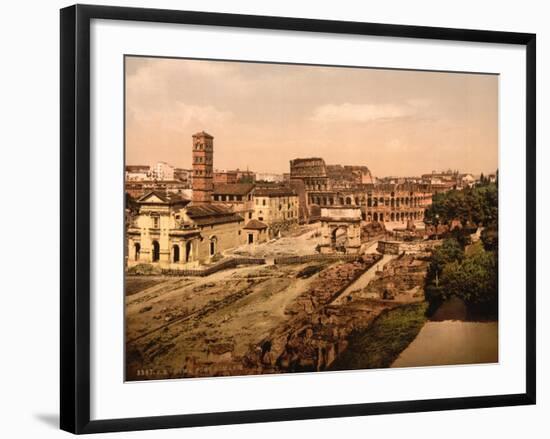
(174, 232)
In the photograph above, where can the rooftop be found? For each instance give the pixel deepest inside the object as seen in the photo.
(278, 191)
(255, 224)
(208, 214)
(133, 168)
(233, 188)
(203, 134)
(168, 198)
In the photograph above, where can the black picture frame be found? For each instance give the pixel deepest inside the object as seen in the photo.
(75, 217)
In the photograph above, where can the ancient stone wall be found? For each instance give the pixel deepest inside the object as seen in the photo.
(223, 265)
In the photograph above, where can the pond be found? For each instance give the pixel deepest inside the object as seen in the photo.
(448, 339)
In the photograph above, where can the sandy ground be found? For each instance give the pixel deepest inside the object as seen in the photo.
(201, 317)
(452, 342)
(302, 242)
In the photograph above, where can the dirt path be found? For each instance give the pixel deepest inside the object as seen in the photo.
(364, 280)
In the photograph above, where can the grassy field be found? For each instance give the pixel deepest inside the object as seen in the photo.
(381, 343)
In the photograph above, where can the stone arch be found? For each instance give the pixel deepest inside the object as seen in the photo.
(137, 251)
(175, 253)
(339, 236)
(155, 256)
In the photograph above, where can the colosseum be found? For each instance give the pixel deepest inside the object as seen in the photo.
(318, 187)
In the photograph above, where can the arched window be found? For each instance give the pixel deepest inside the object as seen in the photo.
(213, 242)
(156, 251)
(175, 253)
(137, 250)
(348, 200)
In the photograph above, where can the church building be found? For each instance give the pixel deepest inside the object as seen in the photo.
(174, 232)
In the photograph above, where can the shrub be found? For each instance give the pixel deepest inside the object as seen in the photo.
(145, 270)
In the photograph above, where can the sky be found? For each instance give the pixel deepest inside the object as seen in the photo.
(396, 122)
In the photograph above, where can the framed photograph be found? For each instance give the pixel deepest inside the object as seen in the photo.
(268, 218)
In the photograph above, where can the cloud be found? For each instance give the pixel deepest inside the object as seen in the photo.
(348, 112)
(181, 116)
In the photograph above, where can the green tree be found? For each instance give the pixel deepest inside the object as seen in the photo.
(450, 251)
(474, 279)
(477, 206)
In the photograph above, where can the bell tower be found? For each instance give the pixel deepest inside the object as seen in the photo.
(203, 157)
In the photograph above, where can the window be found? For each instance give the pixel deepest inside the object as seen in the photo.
(156, 222)
(249, 215)
(263, 202)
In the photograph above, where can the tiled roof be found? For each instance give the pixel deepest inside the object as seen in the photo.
(255, 224)
(274, 191)
(209, 214)
(232, 188)
(169, 198)
(204, 210)
(218, 219)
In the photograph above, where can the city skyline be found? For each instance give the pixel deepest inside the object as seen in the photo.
(397, 123)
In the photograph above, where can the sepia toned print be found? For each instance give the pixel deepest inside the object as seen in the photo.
(294, 218)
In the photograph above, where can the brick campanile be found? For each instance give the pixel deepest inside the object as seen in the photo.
(203, 157)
